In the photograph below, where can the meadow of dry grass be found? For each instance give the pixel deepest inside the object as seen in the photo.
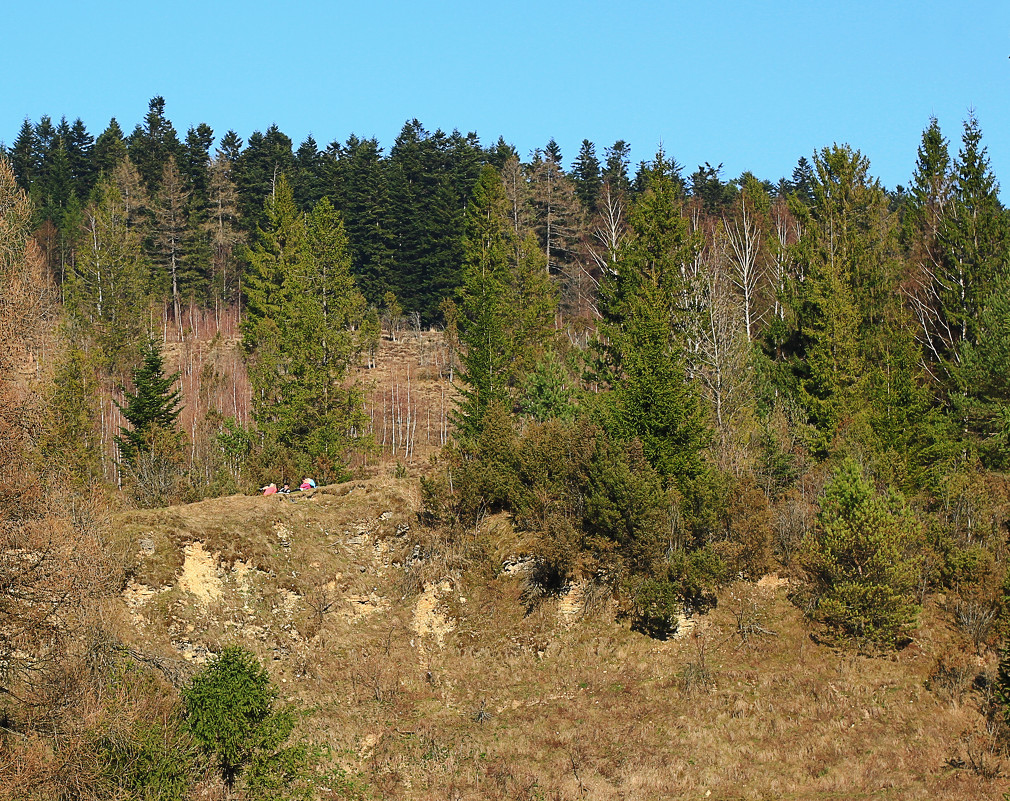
(425, 670)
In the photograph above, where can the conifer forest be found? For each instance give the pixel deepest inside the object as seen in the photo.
(668, 381)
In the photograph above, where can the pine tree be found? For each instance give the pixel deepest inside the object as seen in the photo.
(863, 560)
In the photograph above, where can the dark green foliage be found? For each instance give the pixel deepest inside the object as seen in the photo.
(363, 200)
(195, 163)
(642, 337)
(147, 754)
(586, 176)
(863, 561)
(506, 306)
(687, 585)
(550, 391)
(71, 439)
(309, 179)
(302, 306)
(79, 145)
(152, 407)
(802, 184)
(710, 190)
(430, 176)
(232, 714)
(266, 158)
(152, 762)
(110, 149)
(26, 156)
(152, 144)
(106, 288)
(615, 170)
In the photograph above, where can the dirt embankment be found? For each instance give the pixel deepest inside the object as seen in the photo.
(434, 680)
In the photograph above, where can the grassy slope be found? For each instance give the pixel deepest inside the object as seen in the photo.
(539, 705)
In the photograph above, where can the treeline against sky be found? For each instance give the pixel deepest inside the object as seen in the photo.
(668, 382)
(402, 210)
(723, 346)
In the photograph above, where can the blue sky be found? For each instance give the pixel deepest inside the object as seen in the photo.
(753, 85)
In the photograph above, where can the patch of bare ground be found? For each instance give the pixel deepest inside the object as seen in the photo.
(434, 681)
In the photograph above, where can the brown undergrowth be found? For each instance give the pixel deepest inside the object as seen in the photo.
(431, 676)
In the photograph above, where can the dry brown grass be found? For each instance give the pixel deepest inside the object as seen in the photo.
(533, 706)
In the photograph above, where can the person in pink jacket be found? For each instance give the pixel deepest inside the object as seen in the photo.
(269, 489)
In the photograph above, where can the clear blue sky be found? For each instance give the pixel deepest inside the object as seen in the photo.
(754, 85)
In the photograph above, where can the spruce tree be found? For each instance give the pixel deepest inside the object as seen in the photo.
(109, 150)
(485, 361)
(301, 309)
(363, 200)
(25, 156)
(152, 408)
(586, 176)
(506, 306)
(642, 337)
(151, 144)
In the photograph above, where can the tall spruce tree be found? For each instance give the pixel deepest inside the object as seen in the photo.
(363, 200)
(151, 144)
(587, 177)
(642, 336)
(506, 305)
(848, 252)
(301, 309)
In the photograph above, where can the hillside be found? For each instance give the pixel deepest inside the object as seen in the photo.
(430, 676)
